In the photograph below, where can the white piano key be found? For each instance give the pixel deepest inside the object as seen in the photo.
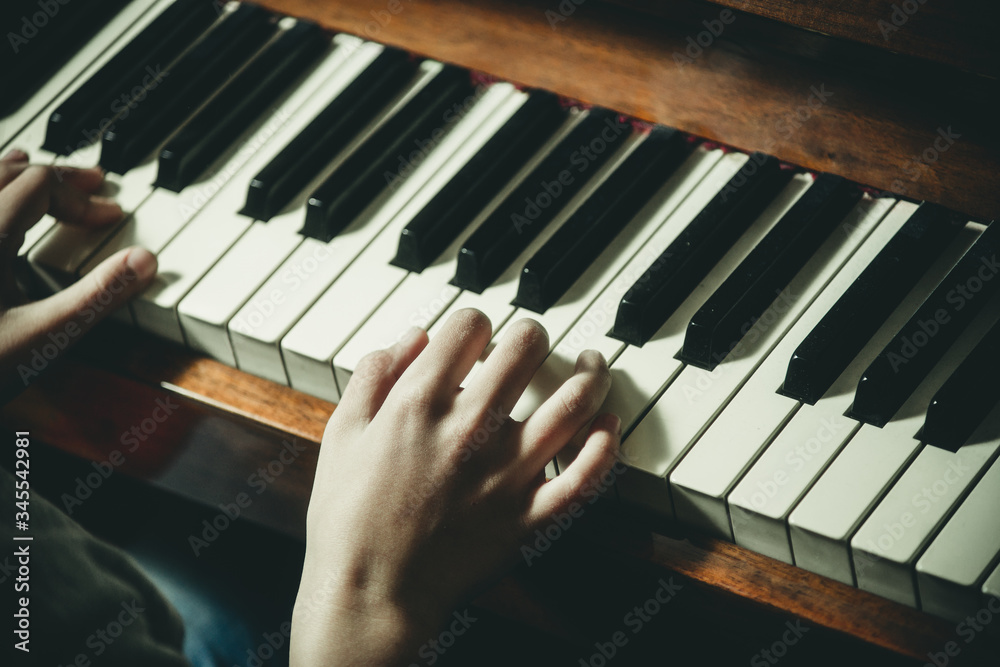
(991, 589)
(589, 329)
(423, 308)
(312, 344)
(312, 268)
(67, 251)
(61, 85)
(821, 526)
(286, 294)
(691, 402)
(59, 254)
(886, 547)
(605, 271)
(211, 232)
(721, 170)
(760, 503)
(25, 128)
(641, 372)
(230, 284)
(495, 300)
(708, 471)
(952, 571)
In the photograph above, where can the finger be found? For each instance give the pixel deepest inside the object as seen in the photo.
(582, 479)
(36, 191)
(375, 376)
(15, 155)
(88, 180)
(453, 352)
(9, 170)
(509, 368)
(567, 411)
(99, 293)
(72, 200)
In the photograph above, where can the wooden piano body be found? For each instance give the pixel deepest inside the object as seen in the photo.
(886, 98)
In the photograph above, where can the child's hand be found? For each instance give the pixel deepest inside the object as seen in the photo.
(424, 491)
(27, 192)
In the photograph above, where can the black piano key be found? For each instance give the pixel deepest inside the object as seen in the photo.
(214, 129)
(327, 134)
(362, 177)
(672, 277)
(82, 117)
(831, 346)
(523, 214)
(565, 256)
(39, 38)
(906, 360)
(964, 400)
(439, 223)
(199, 74)
(725, 318)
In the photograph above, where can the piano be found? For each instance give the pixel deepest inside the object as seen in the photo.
(785, 252)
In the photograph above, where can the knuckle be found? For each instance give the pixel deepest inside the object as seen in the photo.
(415, 397)
(578, 398)
(373, 366)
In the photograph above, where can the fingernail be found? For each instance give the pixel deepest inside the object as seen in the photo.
(15, 155)
(618, 424)
(142, 262)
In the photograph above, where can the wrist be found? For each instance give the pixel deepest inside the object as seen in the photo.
(338, 622)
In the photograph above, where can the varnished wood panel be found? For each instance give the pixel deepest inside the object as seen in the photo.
(870, 130)
(956, 33)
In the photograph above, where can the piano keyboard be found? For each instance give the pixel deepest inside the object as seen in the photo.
(800, 367)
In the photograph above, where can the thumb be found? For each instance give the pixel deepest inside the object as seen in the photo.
(35, 334)
(99, 293)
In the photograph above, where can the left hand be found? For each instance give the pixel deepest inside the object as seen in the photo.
(29, 331)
